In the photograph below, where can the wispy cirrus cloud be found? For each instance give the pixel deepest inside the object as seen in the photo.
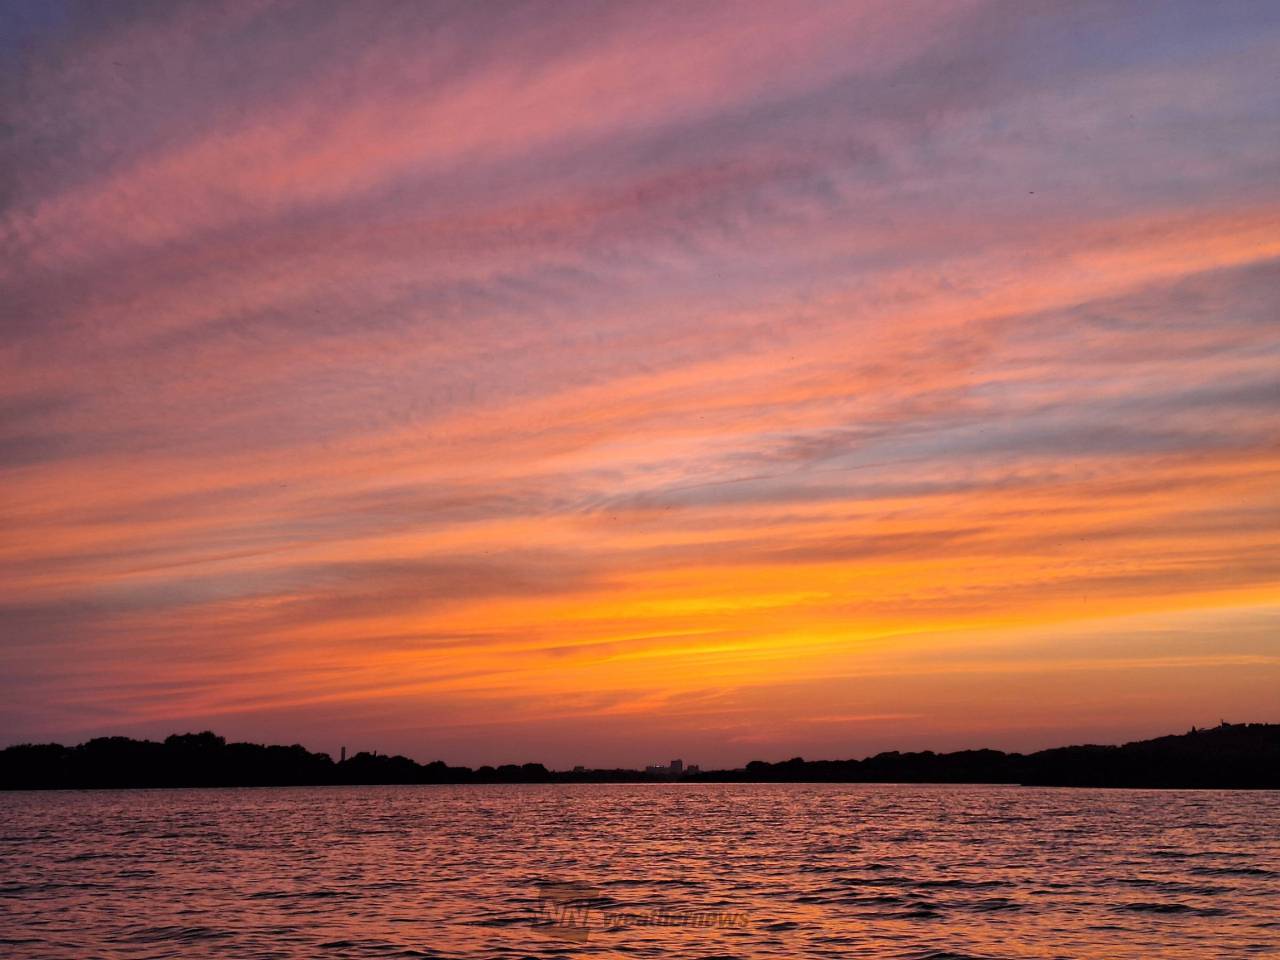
(418, 366)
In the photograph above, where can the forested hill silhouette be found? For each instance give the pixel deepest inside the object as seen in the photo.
(1230, 756)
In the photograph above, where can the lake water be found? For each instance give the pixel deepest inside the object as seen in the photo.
(752, 871)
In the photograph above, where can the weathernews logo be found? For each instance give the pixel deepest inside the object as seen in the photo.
(569, 910)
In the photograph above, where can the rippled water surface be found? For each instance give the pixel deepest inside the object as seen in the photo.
(776, 870)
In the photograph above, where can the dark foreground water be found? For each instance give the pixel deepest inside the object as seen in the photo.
(778, 871)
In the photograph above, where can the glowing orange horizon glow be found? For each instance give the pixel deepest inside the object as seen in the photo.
(640, 381)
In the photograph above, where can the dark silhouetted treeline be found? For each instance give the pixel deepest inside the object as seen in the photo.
(1236, 756)
(207, 760)
(1230, 756)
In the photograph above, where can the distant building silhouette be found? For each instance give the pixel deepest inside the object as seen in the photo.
(674, 770)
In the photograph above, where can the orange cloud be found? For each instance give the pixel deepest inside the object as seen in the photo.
(855, 379)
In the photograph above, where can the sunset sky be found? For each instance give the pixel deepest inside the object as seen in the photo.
(609, 382)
